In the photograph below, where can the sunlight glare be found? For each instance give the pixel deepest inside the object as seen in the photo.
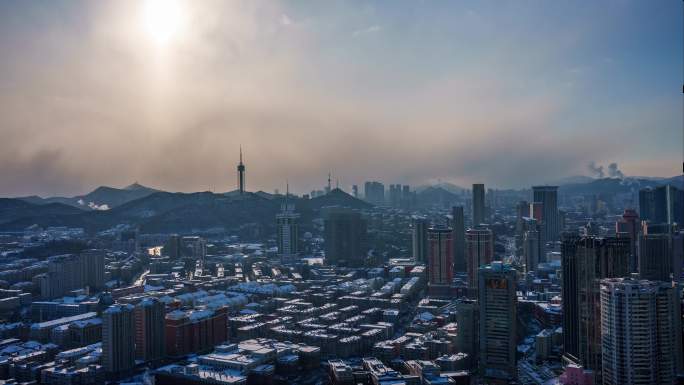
(162, 19)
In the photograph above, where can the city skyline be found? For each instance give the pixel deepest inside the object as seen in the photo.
(165, 94)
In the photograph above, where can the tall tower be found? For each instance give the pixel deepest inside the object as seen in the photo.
(345, 237)
(498, 322)
(440, 256)
(118, 340)
(458, 226)
(640, 332)
(479, 251)
(241, 174)
(548, 197)
(149, 330)
(585, 261)
(287, 229)
(478, 214)
(419, 238)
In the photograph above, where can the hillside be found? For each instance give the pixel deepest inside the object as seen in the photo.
(162, 212)
(102, 198)
(15, 209)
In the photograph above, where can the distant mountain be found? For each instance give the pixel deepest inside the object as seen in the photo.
(437, 196)
(575, 179)
(450, 187)
(616, 185)
(336, 197)
(165, 212)
(13, 209)
(102, 198)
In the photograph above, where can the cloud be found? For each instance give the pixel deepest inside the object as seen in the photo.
(614, 171)
(596, 171)
(367, 30)
(405, 107)
(285, 20)
(95, 206)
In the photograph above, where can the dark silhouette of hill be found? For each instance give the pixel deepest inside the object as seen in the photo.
(436, 196)
(13, 209)
(616, 185)
(163, 212)
(102, 197)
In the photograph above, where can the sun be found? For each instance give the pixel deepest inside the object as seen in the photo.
(162, 19)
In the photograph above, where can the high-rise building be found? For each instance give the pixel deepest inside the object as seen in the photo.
(149, 330)
(118, 339)
(458, 227)
(172, 247)
(663, 204)
(406, 197)
(395, 195)
(548, 197)
(585, 261)
(640, 332)
(478, 216)
(656, 259)
(72, 272)
(467, 319)
(498, 321)
(537, 211)
(94, 268)
(345, 237)
(440, 257)
(374, 192)
(241, 174)
(628, 226)
(419, 227)
(479, 251)
(194, 252)
(531, 246)
(522, 210)
(287, 227)
(678, 256)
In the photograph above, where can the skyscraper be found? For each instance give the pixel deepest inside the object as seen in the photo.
(663, 204)
(419, 226)
(94, 268)
(440, 257)
(479, 251)
(531, 246)
(241, 174)
(458, 227)
(628, 226)
(548, 197)
(522, 210)
(345, 237)
(287, 227)
(395, 195)
(406, 197)
(374, 192)
(118, 340)
(467, 319)
(498, 321)
(149, 330)
(585, 261)
(656, 260)
(478, 204)
(640, 332)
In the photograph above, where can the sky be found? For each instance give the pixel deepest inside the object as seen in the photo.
(508, 93)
